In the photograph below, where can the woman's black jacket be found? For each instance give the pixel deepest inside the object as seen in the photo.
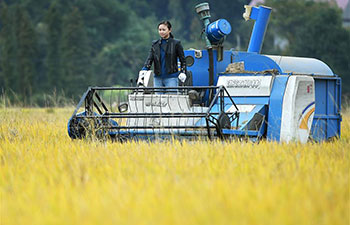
(173, 51)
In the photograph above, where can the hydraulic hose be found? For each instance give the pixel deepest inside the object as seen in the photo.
(211, 73)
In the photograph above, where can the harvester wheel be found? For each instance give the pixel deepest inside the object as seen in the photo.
(77, 128)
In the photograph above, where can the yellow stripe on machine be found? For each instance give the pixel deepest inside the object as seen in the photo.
(303, 124)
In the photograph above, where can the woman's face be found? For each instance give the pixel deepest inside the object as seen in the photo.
(164, 31)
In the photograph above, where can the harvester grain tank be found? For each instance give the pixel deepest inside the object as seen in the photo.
(227, 94)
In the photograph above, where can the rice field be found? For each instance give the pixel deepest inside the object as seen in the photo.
(46, 178)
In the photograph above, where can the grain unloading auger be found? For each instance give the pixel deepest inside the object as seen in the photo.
(227, 94)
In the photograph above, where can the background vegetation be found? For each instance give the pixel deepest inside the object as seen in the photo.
(59, 47)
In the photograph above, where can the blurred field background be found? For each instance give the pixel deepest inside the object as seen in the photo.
(45, 178)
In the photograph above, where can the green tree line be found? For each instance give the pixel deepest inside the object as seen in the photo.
(61, 47)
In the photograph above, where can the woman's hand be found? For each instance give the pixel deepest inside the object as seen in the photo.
(182, 77)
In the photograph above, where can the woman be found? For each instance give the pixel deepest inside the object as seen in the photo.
(164, 54)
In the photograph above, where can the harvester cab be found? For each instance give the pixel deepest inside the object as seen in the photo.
(227, 94)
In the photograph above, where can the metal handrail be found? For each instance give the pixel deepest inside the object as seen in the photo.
(209, 116)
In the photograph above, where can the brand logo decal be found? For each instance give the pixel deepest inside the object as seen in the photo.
(253, 83)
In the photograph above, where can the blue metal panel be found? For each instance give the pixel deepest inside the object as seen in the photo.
(199, 69)
(226, 59)
(255, 62)
(275, 108)
(249, 133)
(327, 118)
(251, 100)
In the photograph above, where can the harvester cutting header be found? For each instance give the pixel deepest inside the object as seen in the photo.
(227, 94)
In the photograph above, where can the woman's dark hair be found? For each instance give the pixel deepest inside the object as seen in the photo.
(168, 24)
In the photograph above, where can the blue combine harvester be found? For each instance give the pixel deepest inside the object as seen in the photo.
(227, 94)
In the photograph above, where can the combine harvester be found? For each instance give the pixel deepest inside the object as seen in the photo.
(227, 94)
